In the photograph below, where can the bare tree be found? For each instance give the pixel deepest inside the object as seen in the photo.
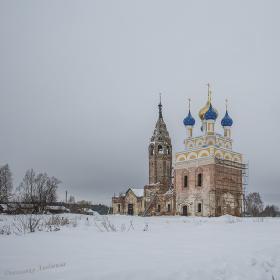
(6, 183)
(39, 190)
(270, 211)
(84, 203)
(26, 188)
(254, 204)
(51, 188)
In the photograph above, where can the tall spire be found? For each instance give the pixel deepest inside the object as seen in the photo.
(160, 107)
(160, 130)
(160, 154)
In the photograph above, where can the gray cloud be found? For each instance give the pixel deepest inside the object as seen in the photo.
(79, 83)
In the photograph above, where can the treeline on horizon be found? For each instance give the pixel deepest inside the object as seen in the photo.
(39, 190)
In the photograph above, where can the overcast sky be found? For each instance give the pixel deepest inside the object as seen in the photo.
(79, 84)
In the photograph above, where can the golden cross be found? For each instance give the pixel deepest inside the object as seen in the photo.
(208, 85)
(226, 103)
(209, 92)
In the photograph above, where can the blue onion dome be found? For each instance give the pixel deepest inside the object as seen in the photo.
(227, 120)
(189, 120)
(211, 114)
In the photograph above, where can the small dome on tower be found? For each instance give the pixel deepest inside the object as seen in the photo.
(227, 120)
(189, 120)
(211, 114)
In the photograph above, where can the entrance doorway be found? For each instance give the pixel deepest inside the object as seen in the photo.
(130, 209)
(185, 210)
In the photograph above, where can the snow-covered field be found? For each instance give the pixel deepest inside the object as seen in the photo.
(169, 248)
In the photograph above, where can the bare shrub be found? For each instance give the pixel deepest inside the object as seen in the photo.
(74, 222)
(26, 223)
(56, 220)
(146, 228)
(22, 224)
(108, 226)
(131, 226)
(5, 230)
(123, 227)
(104, 225)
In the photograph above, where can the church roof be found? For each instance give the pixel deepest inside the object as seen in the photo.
(138, 192)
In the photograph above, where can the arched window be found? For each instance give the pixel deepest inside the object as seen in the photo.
(160, 149)
(199, 207)
(199, 179)
(168, 150)
(152, 150)
(185, 210)
(186, 181)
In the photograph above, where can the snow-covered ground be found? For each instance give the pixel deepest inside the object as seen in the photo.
(169, 248)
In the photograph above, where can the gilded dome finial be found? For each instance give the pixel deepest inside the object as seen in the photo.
(204, 109)
(209, 93)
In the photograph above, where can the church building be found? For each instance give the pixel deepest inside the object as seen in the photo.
(206, 180)
(158, 197)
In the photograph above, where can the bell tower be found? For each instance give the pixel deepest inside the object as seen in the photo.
(160, 153)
